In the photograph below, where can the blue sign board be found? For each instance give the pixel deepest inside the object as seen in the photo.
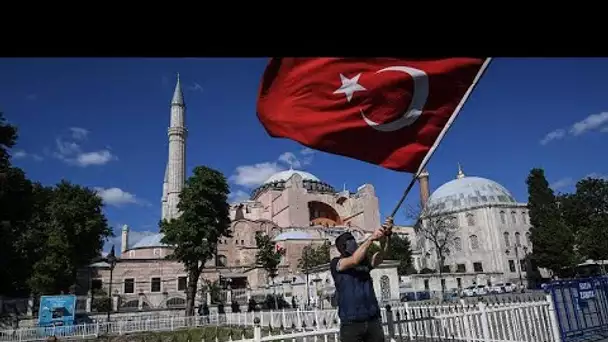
(57, 310)
(585, 291)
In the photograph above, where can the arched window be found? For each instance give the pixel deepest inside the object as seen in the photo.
(524, 218)
(513, 217)
(474, 242)
(507, 239)
(470, 219)
(528, 241)
(503, 217)
(458, 244)
(517, 239)
(222, 261)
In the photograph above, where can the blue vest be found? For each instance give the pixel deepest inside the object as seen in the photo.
(355, 292)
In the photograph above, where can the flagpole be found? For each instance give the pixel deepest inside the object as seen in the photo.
(426, 159)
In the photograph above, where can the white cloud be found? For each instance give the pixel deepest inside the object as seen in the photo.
(79, 133)
(561, 183)
(94, 158)
(253, 175)
(290, 159)
(590, 123)
(117, 197)
(597, 175)
(594, 122)
(238, 196)
(307, 151)
(21, 154)
(555, 135)
(196, 87)
(71, 152)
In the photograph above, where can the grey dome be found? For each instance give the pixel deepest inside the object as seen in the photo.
(466, 192)
(285, 175)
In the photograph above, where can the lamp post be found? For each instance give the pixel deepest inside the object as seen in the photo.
(111, 260)
(518, 266)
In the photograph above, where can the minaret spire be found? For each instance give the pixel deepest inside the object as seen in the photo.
(460, 173)
(175, 172)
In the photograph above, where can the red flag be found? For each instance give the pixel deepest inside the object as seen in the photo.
(385, 111)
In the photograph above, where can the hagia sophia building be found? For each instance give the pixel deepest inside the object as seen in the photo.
(298, 209)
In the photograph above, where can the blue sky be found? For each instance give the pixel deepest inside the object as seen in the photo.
(103, 123)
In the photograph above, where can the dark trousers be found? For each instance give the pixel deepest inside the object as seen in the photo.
(367, 331)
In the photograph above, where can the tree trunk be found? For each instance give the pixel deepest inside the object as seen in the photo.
(193, 275)
(441, 261)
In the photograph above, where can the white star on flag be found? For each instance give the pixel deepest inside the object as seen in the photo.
(349, 86)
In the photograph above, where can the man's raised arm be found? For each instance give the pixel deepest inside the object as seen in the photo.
(385, 242)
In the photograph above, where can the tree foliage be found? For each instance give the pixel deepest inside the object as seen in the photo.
(400, 250)
(586, 212)
(552, 238)
(268, 255)
(48, 232)
(313, 256)
(203, 221)
(71, 222)
(437, 228)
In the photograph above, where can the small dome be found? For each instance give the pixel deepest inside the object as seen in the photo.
(465, 192)
(285, 175)
(294, 235)
(150, 242)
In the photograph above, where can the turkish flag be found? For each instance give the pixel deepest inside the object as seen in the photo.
(384, 111)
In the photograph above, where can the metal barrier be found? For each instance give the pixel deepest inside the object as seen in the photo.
(581, 307)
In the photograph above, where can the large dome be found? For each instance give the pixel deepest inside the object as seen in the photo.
(150, 241)
(285, 175)
(466, 192)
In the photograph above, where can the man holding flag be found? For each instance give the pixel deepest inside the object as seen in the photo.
(391, 112)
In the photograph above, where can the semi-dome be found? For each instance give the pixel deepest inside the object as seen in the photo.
(285, 175)
(150, 241)
(465, 192)
(294, 235)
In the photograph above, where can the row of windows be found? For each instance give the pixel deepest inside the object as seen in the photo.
(474, 241)
(507, 238)
(470, 218)
(155, 284)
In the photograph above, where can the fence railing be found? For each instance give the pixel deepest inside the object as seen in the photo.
(513, 322)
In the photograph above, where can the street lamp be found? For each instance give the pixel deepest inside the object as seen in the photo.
(111, 260)
(517, 246)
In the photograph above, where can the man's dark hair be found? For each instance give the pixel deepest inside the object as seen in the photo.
(341, 242)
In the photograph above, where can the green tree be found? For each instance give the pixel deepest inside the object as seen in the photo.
(203, 221)
(69, 219)
(552, 239)
(439, 229)
(586, 211)
(268, 256)
(400, 250)
(313, 256)
(8, 139)
(16, 203)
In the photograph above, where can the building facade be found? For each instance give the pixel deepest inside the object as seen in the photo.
(491, 238)
(294, 207)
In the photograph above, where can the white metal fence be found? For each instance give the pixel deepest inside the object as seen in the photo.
(512, 322)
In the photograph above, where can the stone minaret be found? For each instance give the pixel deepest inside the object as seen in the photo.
(175, 172)
(124, 242)
(423, 181)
